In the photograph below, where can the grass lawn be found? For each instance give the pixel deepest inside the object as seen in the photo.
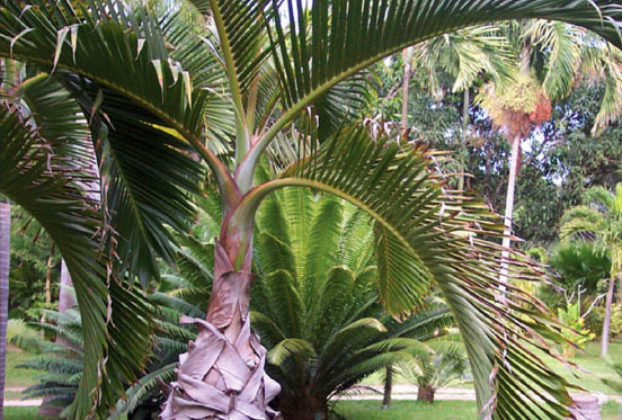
(440, 410)
(22, 413)
(19, 377)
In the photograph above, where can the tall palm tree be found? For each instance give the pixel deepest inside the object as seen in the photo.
(463, 55)
(600, 220)
(159, 97)
(520, 104)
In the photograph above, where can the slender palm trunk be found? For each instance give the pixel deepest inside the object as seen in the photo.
(604, 347)
(222, 375)
(509, 210)
(5, 253)
(405, 94)
(65, 299)
(388, 387)
(465, 127)
(48, 280)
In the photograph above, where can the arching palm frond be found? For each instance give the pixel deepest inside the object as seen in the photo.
(563, 42)
(47, 177)
(581, 219)
(463, 55)
(426, 235)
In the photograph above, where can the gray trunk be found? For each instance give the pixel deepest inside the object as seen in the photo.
(5, 248)
(65, 297)
(405, 88)
(604, 347)
(222, 375)
(465, 127)
(509, 210)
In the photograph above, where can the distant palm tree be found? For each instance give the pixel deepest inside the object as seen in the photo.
(600, 220)
(553, 57)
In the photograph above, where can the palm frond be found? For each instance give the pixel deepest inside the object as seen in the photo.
(563, 43)
(319, 45)
(37, 177)
(426, 234)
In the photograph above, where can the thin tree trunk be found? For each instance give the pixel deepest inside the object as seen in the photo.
(5, 254)
(388, 387)
(509, 210)
(222, 375)
(405, 94)
(48, 282)
(65, 298)
(604, 347)
(465, 127)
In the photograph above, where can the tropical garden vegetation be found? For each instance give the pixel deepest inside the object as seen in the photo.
(124, 126)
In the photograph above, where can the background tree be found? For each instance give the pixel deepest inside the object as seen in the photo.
(600, 220)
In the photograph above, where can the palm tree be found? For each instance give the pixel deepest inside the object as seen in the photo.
(522, 103)
(463, 55)
(599, 220)
(314, 306)
(445, 363)
(159, 98)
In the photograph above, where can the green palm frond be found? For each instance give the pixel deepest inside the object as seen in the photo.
(563, 43)
(147, 386)
(581, 219)
(426, 236)
(317, 48)
(36, 176)
(601, 196)
(463, 54)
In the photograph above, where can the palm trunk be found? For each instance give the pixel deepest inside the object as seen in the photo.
(465, 127)
(604, 347)
(509, 210)
(304, 407)
(48, 281)
(65, 299)
(425, 393)
(388, 387)
(405, 94)
(5, 253)
(222, 375)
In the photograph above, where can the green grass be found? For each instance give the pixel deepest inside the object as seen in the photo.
(440, 410)
(611, 411)
(408, 410)
(19, 377)
(597, 368)
(22, 413)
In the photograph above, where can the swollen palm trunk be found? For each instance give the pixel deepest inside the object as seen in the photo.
(222, 375)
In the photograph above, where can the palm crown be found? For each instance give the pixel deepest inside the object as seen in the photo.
(600, 218)
(158, 96)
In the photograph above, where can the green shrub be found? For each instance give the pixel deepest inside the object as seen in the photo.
(594, 320)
